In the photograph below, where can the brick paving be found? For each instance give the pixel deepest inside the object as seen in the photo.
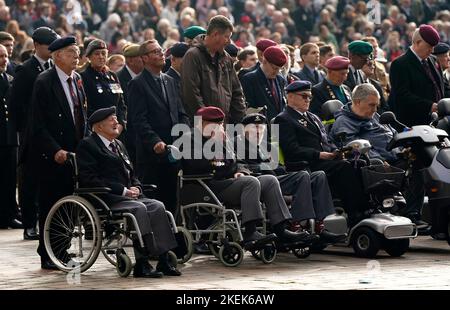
(426, 266)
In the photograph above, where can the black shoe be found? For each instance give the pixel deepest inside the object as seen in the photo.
(257, 238)
(439, 236)
(14, 224)
(143, 269)
(201, 248)
(168, 270)
(47, 264)
(30, 234)
(287, 236)
(329, 237)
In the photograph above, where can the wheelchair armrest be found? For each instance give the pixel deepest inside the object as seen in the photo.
(149, 187)
(92, 190)
(296, 166)
(192, 177)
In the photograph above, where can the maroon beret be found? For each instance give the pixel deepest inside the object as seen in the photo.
(275, 55)
(263, 44)
(429, 34)
(337, 63)
(211, 114)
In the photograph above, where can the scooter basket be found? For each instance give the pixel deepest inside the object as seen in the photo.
(381, 179)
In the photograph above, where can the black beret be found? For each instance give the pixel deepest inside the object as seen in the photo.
(179, 49)
(62, 43)
(44, 35)
(441, 48)
(101, 114)
(232, 50)
(94, 45)
(298, 86)
(254, 118)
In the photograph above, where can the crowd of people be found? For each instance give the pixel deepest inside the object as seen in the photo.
(108, 80)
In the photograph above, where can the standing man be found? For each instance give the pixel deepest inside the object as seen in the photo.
(22, 89)
(133, 66)
(310, 54)
(7, 40)
(332, 87)
(441, 51)
(59, 123)
(8, 148)
(156, 108)
(177, 51)
(416, 84)
(208, 77)
(359, 53)
(102, 86)
(264, 86)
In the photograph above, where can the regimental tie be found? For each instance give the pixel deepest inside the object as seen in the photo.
(437, 89)
(113, 147)
(77, 113)
(276, 99)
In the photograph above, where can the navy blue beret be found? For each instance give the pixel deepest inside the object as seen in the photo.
(62, 43)
(44, 35)
(101, 114)
(441, 48)
(298, 86)
(232, 50)
(179, 49)
(254, 118)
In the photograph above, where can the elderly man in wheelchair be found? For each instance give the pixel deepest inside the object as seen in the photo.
(234, 185)
(107, 179)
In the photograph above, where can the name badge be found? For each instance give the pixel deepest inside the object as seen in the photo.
(115, 88)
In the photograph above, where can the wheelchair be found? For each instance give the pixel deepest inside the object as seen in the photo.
(80, 226)
(205, 216)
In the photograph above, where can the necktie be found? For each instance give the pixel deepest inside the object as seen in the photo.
(77, 114)
(47, 65)
(437, 90)
(161, 88)
(357, 82)
(316, 77)
(113, 147)
(275, 94)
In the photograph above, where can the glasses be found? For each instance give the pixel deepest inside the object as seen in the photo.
(304, 96)
(157, 51)
(366, 58)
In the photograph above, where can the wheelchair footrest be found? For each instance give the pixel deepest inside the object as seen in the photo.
(258, 244)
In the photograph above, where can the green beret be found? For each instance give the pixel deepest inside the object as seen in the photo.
(131, 50)
(4, 36)
(360, 48)
(193, 31)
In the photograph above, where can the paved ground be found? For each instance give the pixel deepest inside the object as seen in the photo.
(425, 266)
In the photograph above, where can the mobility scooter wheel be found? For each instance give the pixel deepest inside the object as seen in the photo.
(366, 242)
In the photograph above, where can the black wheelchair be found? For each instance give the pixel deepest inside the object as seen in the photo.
(80, 226)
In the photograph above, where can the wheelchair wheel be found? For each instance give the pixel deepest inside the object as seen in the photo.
(366, 242)
(301, 252)
(173, 259)
(123, 263)
(72, 234)
(189, 241)
(268, 253)
(111, 245)
(256, 254)
(231, 254)
(396, 248)
(214, 244)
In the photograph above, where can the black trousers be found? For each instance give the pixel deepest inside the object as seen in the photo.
(28, 186)
(345, 183)
(8, 203)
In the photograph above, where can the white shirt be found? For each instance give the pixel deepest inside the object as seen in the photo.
(41, 61)
(130, 72)
(63, 78)
(420, 59)
(107, 143)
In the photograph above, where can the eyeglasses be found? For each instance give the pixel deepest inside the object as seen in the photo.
(304, 96)
(158, 51)
(366, 58)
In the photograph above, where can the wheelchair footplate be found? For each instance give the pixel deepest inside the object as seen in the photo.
(258, 244)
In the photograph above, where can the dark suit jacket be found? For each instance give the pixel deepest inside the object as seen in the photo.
(8, 135)
(99, 167)
(299, 139)
(244, 71)
(124, 78)
(11, 68)
(152, 116)
(412, 91)
(323, 92)
(306, 75)
(176, 77)
(53, 127)
(258, 93)
(350, 81)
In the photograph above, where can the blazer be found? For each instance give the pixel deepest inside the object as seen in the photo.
(323, 92)
(412, 91)
(8, 135)
(258, 92)
(306, 75)
(151, 115)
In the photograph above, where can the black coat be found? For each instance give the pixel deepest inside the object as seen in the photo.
(257, 91)
(124, 78)
(323, 92)
(8, 135)
(244, 71)
(104, 91)
(299, 139)
(412, 91)
(306, 75)
(152, 116)
(100, 167)
(176, 77)
(350, 81)
(53, 127)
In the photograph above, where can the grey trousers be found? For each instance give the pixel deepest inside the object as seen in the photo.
(152, 221)
(248, 191)
(312, 197)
